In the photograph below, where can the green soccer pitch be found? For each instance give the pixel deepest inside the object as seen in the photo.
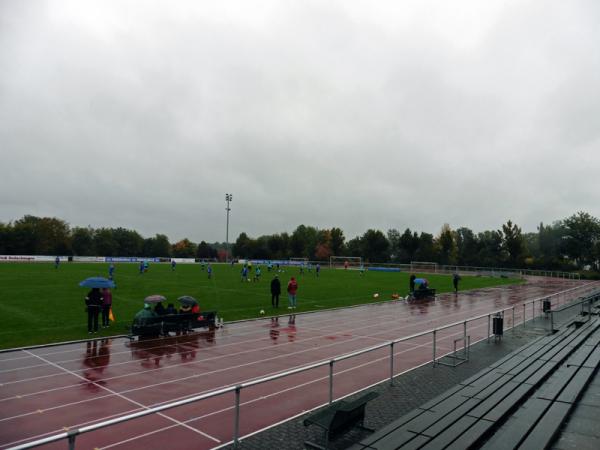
(40, 304)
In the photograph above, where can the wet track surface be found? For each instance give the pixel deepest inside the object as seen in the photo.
(47, 390)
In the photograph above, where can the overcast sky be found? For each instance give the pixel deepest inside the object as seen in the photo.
(357, 114)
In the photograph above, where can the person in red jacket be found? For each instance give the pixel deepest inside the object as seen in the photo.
(292, 287)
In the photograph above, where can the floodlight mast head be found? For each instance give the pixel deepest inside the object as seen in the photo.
(228, 198)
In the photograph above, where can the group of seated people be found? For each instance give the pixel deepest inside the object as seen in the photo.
(145, 319)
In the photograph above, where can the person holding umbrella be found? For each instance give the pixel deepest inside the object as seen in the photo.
(93, 302)
(94, 299)
(275, 291)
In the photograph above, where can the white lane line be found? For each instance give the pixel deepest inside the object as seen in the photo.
(127, 399)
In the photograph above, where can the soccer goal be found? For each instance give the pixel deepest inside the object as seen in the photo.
(423, 266)
(342, 262)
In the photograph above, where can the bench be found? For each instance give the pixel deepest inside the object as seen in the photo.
(339, 417)
(423, 293)
(546, 374)
(174, 323)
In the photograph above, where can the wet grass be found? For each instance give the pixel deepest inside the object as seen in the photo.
(41, 304)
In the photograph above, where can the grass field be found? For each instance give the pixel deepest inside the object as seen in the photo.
(40, 304)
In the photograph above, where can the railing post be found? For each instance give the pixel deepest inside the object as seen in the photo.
(72, 435)
(551, 321)
(330, 381)
(434, 338)
(236, 431)
(523, 315)
(513, 319)
(392, 363)
(489, 322)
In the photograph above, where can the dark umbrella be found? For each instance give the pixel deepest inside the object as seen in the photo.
(155, 299)
(187, 300)
(97, 282)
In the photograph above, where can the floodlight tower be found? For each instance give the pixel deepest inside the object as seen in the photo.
(228, 198)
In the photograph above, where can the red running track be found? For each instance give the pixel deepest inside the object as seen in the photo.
(47, 390)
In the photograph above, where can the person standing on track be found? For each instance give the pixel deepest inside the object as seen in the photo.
(292, 288)
(275, 291)
(455, 280)
(106, 305)
(93, 303)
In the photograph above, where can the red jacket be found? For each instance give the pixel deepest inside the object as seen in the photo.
(292, 287)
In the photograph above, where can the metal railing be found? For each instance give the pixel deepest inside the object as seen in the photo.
(555, 299)
(581, 307)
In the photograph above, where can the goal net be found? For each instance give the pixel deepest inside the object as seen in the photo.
(343, 262)
(423, 266)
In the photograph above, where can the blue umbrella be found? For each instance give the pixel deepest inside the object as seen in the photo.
(97, 282)
(420, 280)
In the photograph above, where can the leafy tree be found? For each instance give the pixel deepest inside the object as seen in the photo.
(491, 252)
(82, 241)
(467, 247)
(129, 242)
(426, 249)
(375, 246)
(241, 248)
(206, 251)
(408, 244)
(33, 235)
(337, 241)
(304, 241)
(277, 245)
(104, 243)
(5, 231)
(184, 249)
(446, 245)
(582, 234)
(513, 244)
(354, 247)
(393, 237)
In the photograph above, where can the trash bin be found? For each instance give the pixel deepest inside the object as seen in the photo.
(498, 325)
(546, 305)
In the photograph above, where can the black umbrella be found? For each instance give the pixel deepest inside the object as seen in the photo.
(187, 300)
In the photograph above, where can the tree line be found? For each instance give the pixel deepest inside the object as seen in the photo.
(51, 236)
(567, 244)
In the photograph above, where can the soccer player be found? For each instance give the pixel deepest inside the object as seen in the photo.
(317, 269)
(141, 267)
(257, 274)
(173, 264)
(244, 273)
(56, 262)
(346, 263)
(209, 271)
(111, 271)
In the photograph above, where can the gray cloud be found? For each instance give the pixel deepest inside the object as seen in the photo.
(347, 114)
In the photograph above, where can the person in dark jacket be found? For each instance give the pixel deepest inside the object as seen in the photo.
(171, 309)
(412, 283)
(455, 280)
(159, 309)
(93, 302)
(275, 292)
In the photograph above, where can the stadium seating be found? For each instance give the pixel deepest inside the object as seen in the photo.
(519, 401)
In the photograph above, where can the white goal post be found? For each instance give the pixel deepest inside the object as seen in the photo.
(423, 266)
(351, 262)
